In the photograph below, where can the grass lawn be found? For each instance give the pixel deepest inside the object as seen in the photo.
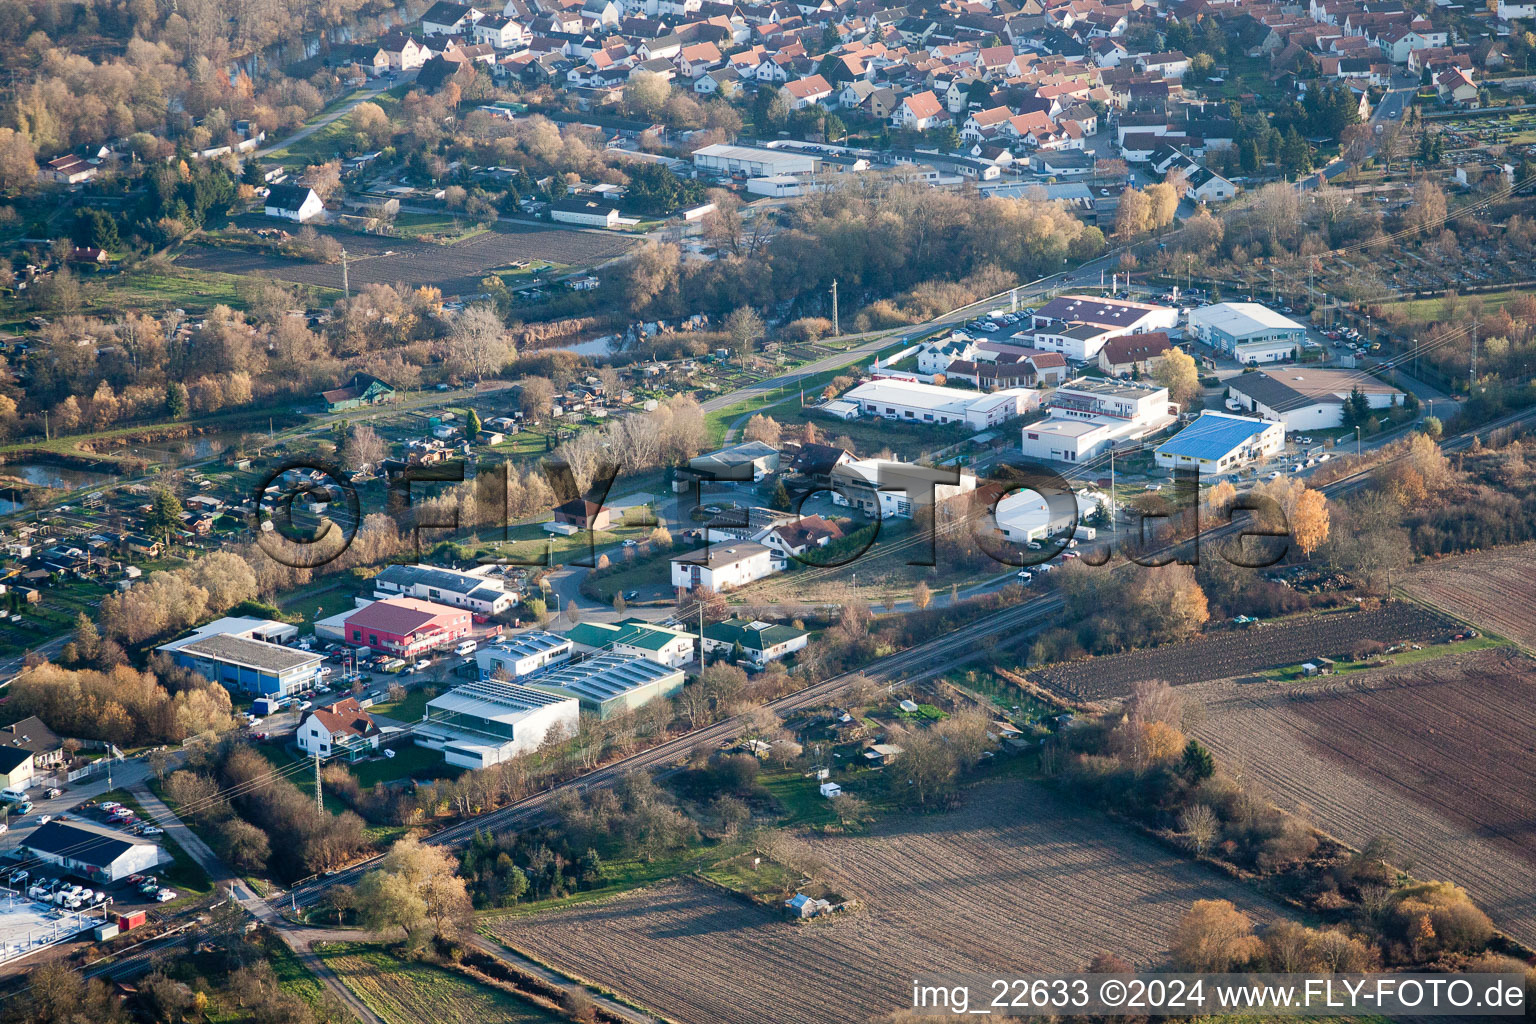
(408, 761)
(768, 882)
(408, 709)
(624, 875)
(1402, 659)
(412, 992)
(798, 798)
(1424, 311)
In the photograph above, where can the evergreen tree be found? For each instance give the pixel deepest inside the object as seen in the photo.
(780, 501)
(1198, 764)
(164, 513)
(473, 424)
(176, 400)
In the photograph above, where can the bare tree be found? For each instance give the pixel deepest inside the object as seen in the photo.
(477, 343)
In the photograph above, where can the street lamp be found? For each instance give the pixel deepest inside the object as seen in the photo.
(1357, 440)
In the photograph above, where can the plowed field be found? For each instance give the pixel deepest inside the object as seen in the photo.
(1440, 758)
(1492, 589)
(1227, 653)
(455, 268)
(1013, 881)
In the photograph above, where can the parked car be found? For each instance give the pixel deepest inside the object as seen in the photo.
(165, 895)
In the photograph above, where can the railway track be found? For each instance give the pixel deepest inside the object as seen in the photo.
(958, 645)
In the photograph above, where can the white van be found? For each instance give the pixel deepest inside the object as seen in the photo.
(13, 796)
(466, 648)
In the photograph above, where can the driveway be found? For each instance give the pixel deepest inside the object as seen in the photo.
(383, 86)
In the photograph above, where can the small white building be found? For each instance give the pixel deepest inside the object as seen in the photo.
(588, 213)
(1248, 332)
(914, 402)
(754, 162)
(297, 203)
(482, 594)
(722, 566)
(1217, 442)
(90, 851)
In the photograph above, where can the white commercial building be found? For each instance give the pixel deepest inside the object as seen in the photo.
(91, 851)
(480, 593)
(722, 566)
(523, 654)
(480, 724)
(887, 488)
(1247, 332)
(915, 402)
(1088, 416)
(1078, 325)
(1217, 442)
(1305, 398)
(721, 158)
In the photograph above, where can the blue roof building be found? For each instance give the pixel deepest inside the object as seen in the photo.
(1218, 442)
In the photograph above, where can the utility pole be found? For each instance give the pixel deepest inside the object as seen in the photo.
(1473, 382)
(1114, 508)
(346, 289)
(319, 797)
(837, 330)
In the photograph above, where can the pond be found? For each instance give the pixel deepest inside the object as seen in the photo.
(44, 474)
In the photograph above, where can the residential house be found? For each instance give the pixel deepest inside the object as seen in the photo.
(756, 641)
(584, 514)
(297, 203)
(362, 390)
(343, 729)
(1134, 353)
(920, 112)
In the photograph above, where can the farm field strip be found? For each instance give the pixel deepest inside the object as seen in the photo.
(1224, 654)
(1495, 590)
(1014, 880)
(1441, 761)
(454, 268)
(410, 992)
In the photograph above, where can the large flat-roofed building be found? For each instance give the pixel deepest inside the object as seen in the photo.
(1089, 416)
(1247, 331)
(242, 655)
(523, 654)
(406, 626)
(1145, 406)
(610, 683)
(480, 724)
(721, 158)
(1219, 443)
(635, 638)
(92, 852)
(915, 402)
(483, 595)
(1306, 398)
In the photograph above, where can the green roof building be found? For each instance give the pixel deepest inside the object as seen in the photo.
(609, 683)
(635, 638)
(761, 642)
